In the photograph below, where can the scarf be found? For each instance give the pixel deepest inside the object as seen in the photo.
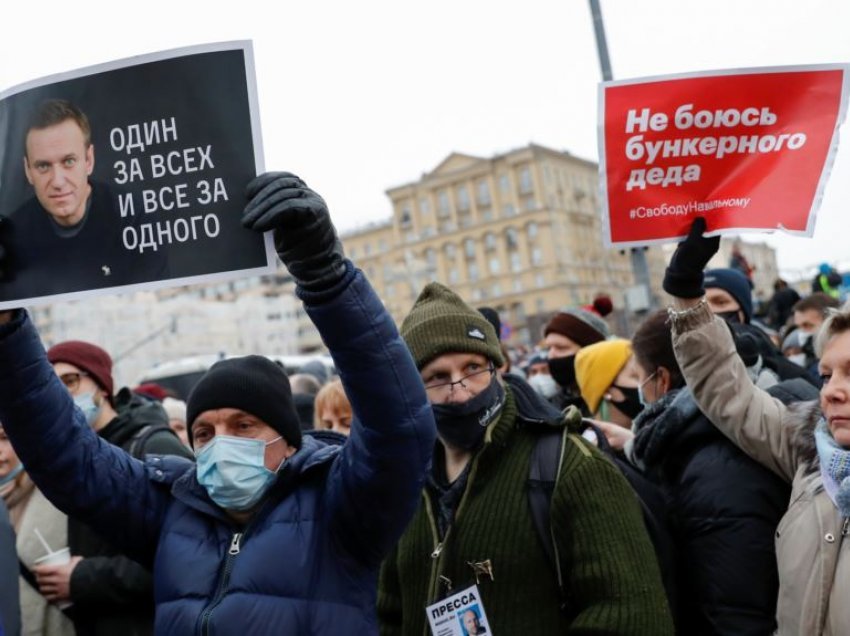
(834, 468)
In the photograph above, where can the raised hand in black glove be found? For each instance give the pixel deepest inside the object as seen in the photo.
(683, 277)
(304, 235)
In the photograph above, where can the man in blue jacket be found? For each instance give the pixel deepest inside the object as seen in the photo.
(271, 532)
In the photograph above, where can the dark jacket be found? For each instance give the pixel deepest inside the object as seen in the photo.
(610, 570)
(307, 562)
(43, 262)
(113, 594)
(10, 609)
(724, 509)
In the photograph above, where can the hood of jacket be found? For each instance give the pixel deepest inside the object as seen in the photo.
(801, 418)
(134, 413)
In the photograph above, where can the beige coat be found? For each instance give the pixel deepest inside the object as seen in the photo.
(38, 617)
(813, 551)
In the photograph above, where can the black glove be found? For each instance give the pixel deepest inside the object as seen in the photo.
(304, 235)
(683, 277)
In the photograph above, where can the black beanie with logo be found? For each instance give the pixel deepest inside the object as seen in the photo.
(253, 384)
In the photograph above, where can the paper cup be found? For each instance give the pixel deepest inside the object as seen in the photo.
(60, 557)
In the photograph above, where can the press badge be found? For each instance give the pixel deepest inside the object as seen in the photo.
(461, 614)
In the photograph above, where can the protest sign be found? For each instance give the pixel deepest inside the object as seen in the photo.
(130, 175)
(747, 149)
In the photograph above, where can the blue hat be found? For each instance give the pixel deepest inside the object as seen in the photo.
(735, 284)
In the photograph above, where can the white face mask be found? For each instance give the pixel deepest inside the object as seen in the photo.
(544, 384)
(798, 359)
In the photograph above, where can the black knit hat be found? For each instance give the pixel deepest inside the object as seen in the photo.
(440, 322)
(253, 384)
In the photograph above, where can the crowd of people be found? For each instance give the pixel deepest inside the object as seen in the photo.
(692, 477)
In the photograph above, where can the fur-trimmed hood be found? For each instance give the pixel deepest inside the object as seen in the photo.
(801, 418)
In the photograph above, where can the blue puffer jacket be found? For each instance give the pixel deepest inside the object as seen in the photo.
(307, 563)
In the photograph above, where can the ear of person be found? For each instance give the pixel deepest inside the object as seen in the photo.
(684, 275)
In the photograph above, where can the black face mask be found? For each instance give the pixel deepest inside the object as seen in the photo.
(563, 370)
(631, 405)
(732, 317)
(463, 425)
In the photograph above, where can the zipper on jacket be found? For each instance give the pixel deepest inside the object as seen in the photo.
(234, 544)
(437, 553)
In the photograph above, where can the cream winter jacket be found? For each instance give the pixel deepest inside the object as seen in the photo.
(812, 547)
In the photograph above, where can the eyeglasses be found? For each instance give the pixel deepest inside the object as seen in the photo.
(72, 380)
(438, 389)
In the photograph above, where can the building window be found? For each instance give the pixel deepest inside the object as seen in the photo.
(450, 251)
(424, 206)
(462, 198)
(511, 238)
(495, 265)
(472, 269)
(453, 276)
(517, 285)
(366, 249)
(382, 245)
(504, 184)
(516, 262)
(489, 241)
(536, 256)
(483, 193)
(541, 305)
(477, 294)
(487, 214)
(496, 290)
(469, 248)
(529, 204)
(531, 230)
(405, 217)
(525, 185)
(508, 210)
(443, 207)
(539, 280)
(431, 257)
(519, 312)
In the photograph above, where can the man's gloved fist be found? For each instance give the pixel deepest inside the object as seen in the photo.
(304, 235)
(683, 277)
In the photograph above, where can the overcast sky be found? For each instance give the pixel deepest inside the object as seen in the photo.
(357, 97)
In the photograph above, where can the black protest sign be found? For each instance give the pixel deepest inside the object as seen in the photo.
(130, 175)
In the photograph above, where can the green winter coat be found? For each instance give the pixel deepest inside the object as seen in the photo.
(609, 565)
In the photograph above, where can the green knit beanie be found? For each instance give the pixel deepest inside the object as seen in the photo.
(440, 322)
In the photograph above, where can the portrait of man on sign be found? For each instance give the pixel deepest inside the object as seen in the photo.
(69, 235)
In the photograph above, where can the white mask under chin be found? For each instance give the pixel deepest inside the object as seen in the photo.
(544, 384)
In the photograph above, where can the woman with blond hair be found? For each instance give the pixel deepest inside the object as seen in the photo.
(332, 409)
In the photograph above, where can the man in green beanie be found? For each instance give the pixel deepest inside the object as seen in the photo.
(473, 539)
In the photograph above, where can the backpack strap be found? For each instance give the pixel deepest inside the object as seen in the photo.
(546, 461)
(140, 439)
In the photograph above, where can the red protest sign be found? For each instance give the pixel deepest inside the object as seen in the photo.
(747, 150)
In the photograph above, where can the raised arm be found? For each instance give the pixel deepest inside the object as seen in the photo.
(80, 473)
(715, 373)
(374, 486)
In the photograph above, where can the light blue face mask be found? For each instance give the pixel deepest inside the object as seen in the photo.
(86, 404)
(17, 470)
(233, 471)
